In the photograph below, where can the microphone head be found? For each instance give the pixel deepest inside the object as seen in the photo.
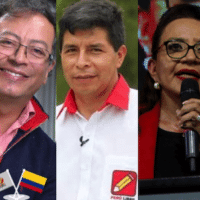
(189, 89)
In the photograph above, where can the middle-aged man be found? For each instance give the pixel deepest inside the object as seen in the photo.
(96, 127)
(27, 32)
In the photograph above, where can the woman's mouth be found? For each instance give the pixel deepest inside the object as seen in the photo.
(185, 73)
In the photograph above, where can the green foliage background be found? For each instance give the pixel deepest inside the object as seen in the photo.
(129, 68)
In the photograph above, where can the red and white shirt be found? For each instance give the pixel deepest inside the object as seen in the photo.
(106, 166)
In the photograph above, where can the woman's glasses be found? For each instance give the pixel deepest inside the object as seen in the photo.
(179, 49)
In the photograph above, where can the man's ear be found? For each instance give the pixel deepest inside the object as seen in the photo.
(121, 53)
(50, 67)
(152, 68)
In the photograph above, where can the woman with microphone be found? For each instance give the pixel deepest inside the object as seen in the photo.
(164, 119)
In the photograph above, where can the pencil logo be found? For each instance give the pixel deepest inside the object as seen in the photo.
(124, 183)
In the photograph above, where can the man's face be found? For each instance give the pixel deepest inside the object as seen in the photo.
(20, 77)
(89, 61)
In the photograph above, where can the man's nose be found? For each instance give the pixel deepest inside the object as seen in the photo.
(82, 60)
(20, 54)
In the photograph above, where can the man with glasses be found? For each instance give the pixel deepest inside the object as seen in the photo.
(27, 35)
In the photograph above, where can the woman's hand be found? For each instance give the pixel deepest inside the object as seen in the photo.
(189, 115)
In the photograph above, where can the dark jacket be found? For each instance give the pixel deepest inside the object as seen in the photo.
(33, 150)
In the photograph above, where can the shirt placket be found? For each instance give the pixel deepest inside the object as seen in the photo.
(86, 157)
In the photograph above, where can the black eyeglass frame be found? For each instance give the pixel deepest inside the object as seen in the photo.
(189, 47)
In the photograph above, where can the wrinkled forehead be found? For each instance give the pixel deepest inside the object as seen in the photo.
(12, 15)
(24, 16)
(27, 27)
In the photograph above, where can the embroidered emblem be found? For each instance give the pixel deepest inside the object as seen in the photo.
(124, 183)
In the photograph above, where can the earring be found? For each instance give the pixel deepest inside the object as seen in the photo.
(157, 86)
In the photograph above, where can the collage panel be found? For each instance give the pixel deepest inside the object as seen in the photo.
(97, 120)
(69, 77)
(168, 65)
(27, 63)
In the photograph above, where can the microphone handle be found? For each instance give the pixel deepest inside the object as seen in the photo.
(192, 148)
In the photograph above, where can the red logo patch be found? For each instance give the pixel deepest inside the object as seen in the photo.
(124, 183)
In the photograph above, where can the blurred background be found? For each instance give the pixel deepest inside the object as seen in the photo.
(47, 94)
(129, 68)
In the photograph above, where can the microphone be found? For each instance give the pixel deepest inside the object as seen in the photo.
(83, 142)
(190, 89)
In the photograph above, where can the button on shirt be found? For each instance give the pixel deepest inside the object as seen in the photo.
(90, 171)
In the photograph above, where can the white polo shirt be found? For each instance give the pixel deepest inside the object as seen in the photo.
(105, 167)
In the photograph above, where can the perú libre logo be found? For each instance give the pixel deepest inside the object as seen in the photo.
(124, 183)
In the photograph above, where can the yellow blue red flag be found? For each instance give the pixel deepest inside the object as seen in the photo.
(33, 181)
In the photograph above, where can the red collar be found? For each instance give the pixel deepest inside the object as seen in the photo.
(119, 97)
(39, 117)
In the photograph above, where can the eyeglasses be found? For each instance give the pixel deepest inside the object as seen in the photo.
(34, 54)
(179, 49)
